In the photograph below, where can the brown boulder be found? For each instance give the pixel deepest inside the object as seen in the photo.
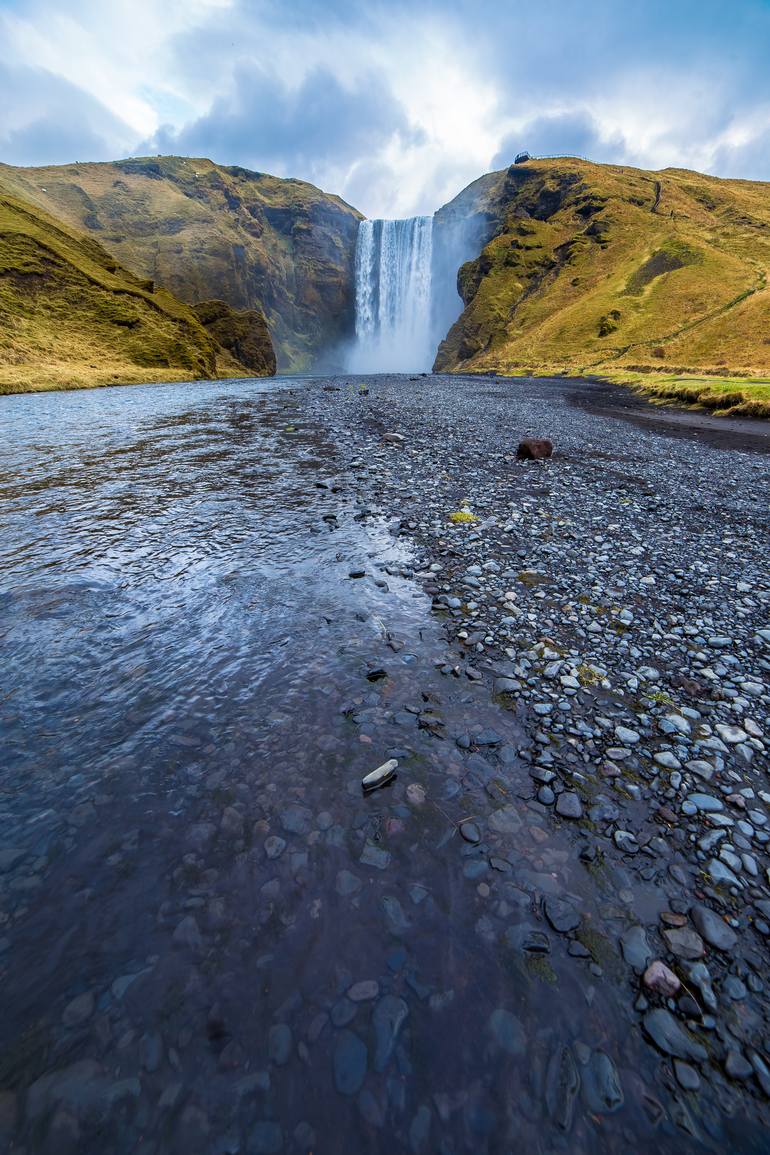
(534, 449)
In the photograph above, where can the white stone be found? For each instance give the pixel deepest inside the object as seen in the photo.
(381, 775)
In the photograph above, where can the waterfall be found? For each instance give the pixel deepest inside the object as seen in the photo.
(393, 296)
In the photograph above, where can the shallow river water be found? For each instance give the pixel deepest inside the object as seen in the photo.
(210, 940)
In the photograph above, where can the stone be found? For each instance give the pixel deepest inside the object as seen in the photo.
(731, 734)
(279, 1044)
(470, 832)
(661, 980)
(670, 1038)
(568, 805)
(350, 1063)
(79, 1010)
(562, 1084)
(364, 990)
(392, 438)
(686, 1076)
(625, 841)
(738, 1066)
(265, 1138)
(714, 929)
(375, 856)
(562, 915)
(376, 778)
(388, 1017)
(507, 1031)
(635, 948)
(534, 449)
(684, 942)
(188, 934)
(274, 846)
(601, 1086)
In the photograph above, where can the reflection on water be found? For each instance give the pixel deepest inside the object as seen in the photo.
(211, 941)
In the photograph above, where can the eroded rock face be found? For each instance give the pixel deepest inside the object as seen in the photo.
(244, 335)
(206, 231)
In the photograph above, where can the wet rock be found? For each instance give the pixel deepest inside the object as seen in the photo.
(562, 1084)
(419, 1129)
(373, 855)
(79, 1087)
(684, 942)
(350, 1063)
(79, 1010)
(561, 914)
(714, 929)
(670, 1038)
(188, 934)
(601, 1087)
(506, 820)
(347, 884)
(279, 1044)
(379, 777)
(388, 1017)
(507, 1031)
(686, 1076)
(275, 846)
(660, 979)
(470, 832)
(568, 805)
(296, 819)
(10, 857)
(737, 1066)
(625, 841)
(265, 1138)
(232, 823)
(635, 948)
(364, 990)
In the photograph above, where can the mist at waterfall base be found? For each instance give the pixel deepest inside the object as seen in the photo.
(406, 290)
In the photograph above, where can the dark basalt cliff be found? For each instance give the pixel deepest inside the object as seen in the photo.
(204, 232)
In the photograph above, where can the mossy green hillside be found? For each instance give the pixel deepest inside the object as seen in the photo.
(606, 269)
(71, 316)
(206, 231)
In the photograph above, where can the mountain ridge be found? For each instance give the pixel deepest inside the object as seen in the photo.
(72, 316)
(606, 268)
(206, 231)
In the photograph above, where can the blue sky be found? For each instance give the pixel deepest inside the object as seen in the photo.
(395, 106)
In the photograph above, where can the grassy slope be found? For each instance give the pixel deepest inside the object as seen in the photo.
(204, 231)
(610, 270)
(71, 317)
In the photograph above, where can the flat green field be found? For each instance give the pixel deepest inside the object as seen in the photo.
(736, 396)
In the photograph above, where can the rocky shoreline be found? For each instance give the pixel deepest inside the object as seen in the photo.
(616, 598)
(370, 790)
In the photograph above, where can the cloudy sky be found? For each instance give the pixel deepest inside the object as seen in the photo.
(394, 105)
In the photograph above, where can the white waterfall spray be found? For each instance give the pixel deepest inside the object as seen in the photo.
(393, 296)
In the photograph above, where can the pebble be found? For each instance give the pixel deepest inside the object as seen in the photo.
(568, 805)
(714, 929)
(379, 777)
(660, 979)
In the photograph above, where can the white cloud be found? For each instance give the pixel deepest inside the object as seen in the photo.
(441, 88)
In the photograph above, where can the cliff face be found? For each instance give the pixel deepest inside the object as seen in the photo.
(590, 268)
(244, 334)
(206, 232)
(71, 316)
